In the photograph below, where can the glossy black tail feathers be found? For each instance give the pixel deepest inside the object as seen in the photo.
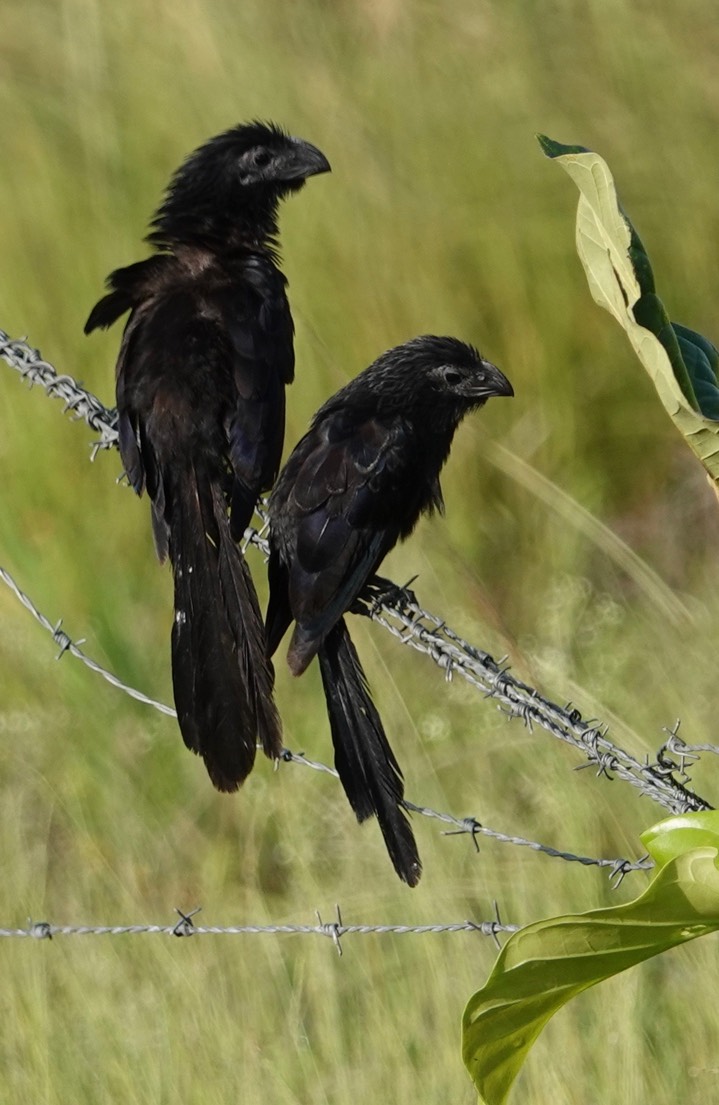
(221, 677)
(367, 768)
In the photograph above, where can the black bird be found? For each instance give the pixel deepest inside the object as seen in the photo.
(355, 484)
(201, 375)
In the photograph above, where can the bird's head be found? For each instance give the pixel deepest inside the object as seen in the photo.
(439, 379)
(455, 370)
(235, 180)
(260, 155)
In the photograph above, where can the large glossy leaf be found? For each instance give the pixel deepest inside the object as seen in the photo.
(546, 964)
(682, 364)
(675, 836)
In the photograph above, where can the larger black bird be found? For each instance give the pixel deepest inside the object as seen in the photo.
(201, 375)
(355, 485)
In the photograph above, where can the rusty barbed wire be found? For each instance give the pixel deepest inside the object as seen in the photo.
(397, 610)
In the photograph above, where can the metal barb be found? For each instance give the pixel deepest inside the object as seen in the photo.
(40, 930)
(185, 926)
(333, 929)
(467, 825)
(61, 638)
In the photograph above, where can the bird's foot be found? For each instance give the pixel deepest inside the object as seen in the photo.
(380, 592)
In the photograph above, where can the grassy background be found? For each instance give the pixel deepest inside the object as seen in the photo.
(441, 215)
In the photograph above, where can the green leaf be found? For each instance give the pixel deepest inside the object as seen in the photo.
(556, 149)
(682, 364)
(546, 964)
(702, 361)
(674, 836)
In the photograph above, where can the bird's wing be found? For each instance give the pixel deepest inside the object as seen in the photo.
(345, 503)
(211, 358)
(259, 329)
(227, 330)
(127, 289)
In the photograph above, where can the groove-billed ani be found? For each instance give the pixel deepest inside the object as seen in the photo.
(355, 484)
(201, 375)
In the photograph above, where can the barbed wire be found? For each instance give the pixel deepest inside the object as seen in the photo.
(686, 754)
(618, 868)
(79, 402)
(334, 930)
(425, 632)
(67, 645)
(397, 610)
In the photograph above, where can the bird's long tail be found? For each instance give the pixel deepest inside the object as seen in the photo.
(221, 677)
(367, 768)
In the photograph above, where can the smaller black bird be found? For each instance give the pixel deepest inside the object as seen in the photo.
(356, 484)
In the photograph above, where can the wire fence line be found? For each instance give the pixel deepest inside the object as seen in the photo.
(666, 780)
(334, 930)
(618, 868)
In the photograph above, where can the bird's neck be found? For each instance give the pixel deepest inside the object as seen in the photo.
(438, 442)
(241, 230)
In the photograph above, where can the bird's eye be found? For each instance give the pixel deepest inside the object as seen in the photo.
(261, 157)
(452, 377)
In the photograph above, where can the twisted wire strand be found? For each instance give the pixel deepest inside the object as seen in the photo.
(335, 930)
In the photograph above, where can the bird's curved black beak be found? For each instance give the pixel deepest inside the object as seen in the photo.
(304, 160)
(495, 382)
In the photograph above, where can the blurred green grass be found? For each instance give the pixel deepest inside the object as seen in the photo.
(441, 215)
